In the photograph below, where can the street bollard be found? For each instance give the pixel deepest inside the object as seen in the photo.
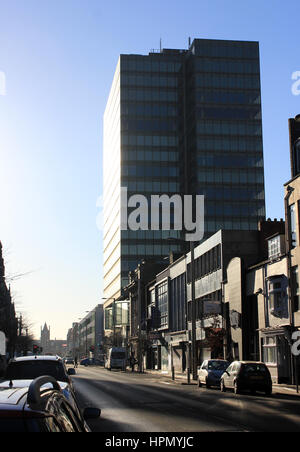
(188, 375)
(173, 373)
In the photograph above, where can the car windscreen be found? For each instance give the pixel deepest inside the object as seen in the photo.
(29, 370)
(118, 355)
(254, 369)
(217, 365)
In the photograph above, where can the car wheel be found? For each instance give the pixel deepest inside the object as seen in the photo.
(199, 383)
(236, 388)
(222, 386)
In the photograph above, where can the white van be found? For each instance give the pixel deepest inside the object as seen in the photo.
(116, 358)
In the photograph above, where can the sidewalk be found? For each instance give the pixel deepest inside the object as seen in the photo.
(182, 378)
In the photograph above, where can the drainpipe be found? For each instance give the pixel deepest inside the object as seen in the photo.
(289, 266)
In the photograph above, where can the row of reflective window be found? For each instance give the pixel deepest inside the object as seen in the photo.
(227, 81)
(148, 250)
(148, 64)
(227, 193)
(149, 140)
(150, 171)
(237, 113)
(227, 66)
(149, 125)
(239, 176)
(130, 263)
(234, 224)
(216, 96)
(148, 95)
(235, 209)
(230, 144)
(151, 186)
(219, 49)
(149, 80)
(230, 161)
(150, 235)
(219, 96)
(163, 123)
(229, 128)
(150, 156)
(149, 109)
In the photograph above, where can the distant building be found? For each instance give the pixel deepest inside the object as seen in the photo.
(54, 346)
(91, 334)
(45, 339)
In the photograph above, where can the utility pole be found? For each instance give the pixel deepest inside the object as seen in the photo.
(139, 307)
(193, 301)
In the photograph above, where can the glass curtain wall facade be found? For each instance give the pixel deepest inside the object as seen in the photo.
(182, 122)
(224, 133)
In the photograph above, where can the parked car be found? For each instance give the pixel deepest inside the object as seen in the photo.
(85, 362)
(247, 375)
(40, 408)
(27, 368)
(211, 371)
(69, 362)
(116, 358)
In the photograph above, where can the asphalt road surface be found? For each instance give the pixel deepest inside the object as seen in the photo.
(132, 402)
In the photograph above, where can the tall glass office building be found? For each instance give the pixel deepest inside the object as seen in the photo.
(182, 122)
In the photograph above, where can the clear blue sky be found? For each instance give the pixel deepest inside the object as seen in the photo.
(59, 57)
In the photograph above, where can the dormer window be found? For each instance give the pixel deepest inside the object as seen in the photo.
(275, 247)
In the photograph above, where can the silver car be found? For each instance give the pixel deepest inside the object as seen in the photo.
(211, 371)
(21, 371)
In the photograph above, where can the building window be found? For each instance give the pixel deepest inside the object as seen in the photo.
(162, 304)
(277, 286)
(295, 288)
(108, 314)
(122, 313)
(293, 225)
(274, 247)
(269, 350)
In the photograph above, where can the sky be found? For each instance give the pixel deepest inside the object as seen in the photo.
(57, 60)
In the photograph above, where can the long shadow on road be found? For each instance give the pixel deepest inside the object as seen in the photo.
(181, 407)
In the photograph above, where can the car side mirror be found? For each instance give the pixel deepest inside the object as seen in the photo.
(91, 413)
(71, 371)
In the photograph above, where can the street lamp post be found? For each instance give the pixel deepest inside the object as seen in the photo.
(194, 342)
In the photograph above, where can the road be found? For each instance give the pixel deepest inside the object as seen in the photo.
(133, 402)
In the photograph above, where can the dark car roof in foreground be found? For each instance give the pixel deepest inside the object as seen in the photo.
(250, 362)
(12, 397)
(36, 358)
